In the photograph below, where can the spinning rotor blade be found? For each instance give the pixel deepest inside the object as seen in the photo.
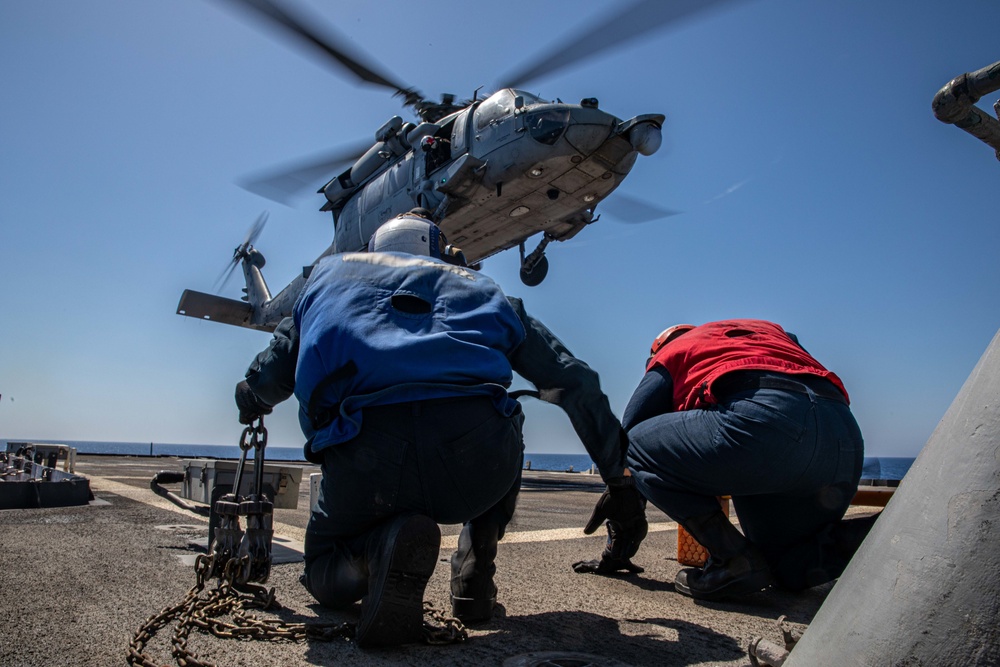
(285, 183)
(638, 18)
(226, 274)
(330, 46)
(254, 233)
(241, 250)
(624, 208)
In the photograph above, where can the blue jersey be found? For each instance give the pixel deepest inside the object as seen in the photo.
(381, 328)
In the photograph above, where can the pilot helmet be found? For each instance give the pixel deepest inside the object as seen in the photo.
(415, 234)
(668, 335)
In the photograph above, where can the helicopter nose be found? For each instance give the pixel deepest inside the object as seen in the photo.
(588, 128)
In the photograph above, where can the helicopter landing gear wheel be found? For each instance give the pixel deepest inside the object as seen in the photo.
(534, 276)
(535, 266)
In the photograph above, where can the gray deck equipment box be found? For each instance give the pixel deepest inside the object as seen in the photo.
(205, 480)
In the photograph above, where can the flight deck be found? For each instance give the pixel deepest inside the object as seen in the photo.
(79, 582)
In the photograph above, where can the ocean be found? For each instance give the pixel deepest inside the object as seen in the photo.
(886, 467)
(875, 467)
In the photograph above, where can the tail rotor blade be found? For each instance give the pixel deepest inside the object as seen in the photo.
(255, 230)
(226, 274)
(240, 253)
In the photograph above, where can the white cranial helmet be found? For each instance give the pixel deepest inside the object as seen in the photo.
(408, 233)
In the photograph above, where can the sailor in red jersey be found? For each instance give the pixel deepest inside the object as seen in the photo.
(738, 408)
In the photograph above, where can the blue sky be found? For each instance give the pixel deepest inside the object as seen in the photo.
(814, 185)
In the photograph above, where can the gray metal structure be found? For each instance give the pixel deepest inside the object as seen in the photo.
(924, 589)
(28, 483)
(955, 103)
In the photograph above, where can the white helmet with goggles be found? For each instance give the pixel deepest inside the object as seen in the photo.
(416, 235)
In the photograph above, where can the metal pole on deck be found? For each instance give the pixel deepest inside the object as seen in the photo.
(924, 588)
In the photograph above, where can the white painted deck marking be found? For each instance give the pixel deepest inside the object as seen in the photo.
(449, 542)
(294, 533)
(552, 535)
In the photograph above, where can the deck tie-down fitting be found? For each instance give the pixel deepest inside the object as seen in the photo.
(251, 549)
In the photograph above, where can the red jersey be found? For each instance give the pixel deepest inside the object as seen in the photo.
(704, 354)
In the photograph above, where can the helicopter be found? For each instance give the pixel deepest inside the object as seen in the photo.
(493, 171)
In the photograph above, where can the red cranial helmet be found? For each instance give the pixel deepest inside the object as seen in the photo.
(668, 335)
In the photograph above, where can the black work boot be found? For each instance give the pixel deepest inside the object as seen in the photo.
(735, 566)
(336, 580)
(473, 593)
(401, 558)
(823, 556)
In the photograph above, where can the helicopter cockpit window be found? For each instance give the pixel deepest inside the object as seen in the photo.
(547, 126)
(530, 98)
(498, 106)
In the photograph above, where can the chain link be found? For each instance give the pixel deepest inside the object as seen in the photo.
(442, 629)
(238, 558)
(203, 613)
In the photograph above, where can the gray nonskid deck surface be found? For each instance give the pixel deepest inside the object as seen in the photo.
(77, 582)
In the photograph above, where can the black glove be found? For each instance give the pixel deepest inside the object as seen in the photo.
(251, 408)
(612, 560)
(607, 566)
(621, 503)
(623, 510)
(621, 546)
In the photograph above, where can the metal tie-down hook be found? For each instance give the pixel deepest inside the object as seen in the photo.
(255, 547)
(251, 550)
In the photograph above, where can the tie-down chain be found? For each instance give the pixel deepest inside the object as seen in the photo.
(239, 561)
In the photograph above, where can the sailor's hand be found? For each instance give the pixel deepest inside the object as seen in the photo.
(251, 408)
(607, 566)
(623, 511)
(621, 503)
(623, 543)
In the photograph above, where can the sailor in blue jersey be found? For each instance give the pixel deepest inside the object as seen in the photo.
(400, 359)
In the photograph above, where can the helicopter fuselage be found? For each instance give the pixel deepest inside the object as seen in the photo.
(494, 173)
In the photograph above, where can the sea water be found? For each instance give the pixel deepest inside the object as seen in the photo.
(167, 449)
(875, 467)
(885, 467)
